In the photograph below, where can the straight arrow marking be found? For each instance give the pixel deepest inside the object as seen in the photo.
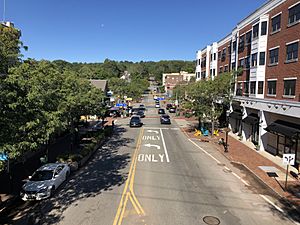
(152, 131)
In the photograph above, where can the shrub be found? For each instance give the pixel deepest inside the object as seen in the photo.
(87, 149)
(108, 130)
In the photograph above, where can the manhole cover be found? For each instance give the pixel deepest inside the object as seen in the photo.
(211, 220)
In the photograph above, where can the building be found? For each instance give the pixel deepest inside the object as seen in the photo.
(264, 48)
(170, 80)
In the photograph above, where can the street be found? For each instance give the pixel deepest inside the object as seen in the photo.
(157, 175)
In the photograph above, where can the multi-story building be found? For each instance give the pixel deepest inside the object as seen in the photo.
(266, 105)
(170, 80)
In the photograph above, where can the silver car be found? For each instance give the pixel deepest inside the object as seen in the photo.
(44, 181)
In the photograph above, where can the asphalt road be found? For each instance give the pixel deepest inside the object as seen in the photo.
(157, 175)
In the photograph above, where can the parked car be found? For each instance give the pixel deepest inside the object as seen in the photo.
(165, 119)
(169, 105)
(157, 105)
(98, 126)
(44, 181)
(135, 121)
(161, 111)
(141, 113)
(172, 110)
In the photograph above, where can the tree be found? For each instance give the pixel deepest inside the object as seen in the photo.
(10, 45)
(209, 97)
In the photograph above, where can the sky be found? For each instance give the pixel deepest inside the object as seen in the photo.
(133, 30)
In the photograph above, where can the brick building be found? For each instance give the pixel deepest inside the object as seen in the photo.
(266, 105)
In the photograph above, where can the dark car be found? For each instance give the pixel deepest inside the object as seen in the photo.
(172, 110)
(168, 106)
(161, 111)
(141, 113)
(165, 119)
(135, 121)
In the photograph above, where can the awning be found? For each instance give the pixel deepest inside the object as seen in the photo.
(236, 115)
(291, 130)
(251, 119)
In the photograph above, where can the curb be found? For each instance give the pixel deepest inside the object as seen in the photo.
(258, 179)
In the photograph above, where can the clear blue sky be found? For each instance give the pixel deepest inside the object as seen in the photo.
(134, 30)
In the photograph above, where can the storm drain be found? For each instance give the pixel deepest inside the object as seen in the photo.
(211, 220)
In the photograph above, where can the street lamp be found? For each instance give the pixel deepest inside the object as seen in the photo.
(227, 131)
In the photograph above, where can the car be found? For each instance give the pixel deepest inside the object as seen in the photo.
(161, 111)
(98, 126)
(142, 106)
(165, 119)
(135, 121)
(172, 110)
(44, 181)
(141, 113)
(156, 101)
(168, 106)
(157, 105)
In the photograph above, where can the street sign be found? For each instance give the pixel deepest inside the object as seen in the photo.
(288, 159)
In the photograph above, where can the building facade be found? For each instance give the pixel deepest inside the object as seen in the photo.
(170, 80)
(264, 49)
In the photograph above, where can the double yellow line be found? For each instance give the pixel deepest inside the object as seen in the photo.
(128, 193)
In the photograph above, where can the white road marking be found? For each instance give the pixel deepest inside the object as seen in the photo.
(149, 146)
(204, 151)
(151, 158)
(234, 174)
(152, 138)
(164, 144)
(152, 131)
(271, 203)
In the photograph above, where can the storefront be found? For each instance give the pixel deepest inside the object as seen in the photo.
(252, 122)
(284, 137)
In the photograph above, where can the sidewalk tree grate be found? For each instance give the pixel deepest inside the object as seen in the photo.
(211, 220)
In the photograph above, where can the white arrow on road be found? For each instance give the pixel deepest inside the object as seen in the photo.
(149, 146)
(152, 131)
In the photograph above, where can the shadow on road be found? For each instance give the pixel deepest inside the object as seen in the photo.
(101, 173)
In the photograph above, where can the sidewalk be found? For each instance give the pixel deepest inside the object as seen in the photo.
(258, 163)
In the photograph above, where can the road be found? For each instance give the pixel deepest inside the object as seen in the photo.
(157, 175)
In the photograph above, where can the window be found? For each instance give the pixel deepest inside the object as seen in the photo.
(234, 46)
(241, 63)
(292, 52)
(294, 14)
(255, 31)
(219, 55)
(241, 43)
(274, 56)
(289, 87)
(272, 87)
(211, 57)
(247, 62)
(260, 87)
(239, 89)
(252, 87)
(214, 72)
(221, 69)
(246, 87)
(233, 65)
(248, 37)
(215, 55)
(262, 56)
(254, 59)
(276, 23)
(225, 69)
(224, 54)
(263, 30)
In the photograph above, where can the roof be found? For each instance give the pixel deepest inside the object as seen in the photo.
(100, 84)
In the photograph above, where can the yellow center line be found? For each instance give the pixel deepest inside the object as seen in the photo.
(129, 183)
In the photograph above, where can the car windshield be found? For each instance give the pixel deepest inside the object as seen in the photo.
(166, 117)
(42, 175)
(135, 119)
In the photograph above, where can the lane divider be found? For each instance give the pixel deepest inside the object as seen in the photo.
(128, 193)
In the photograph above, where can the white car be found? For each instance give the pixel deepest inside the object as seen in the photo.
(44, 181)
(157, 105)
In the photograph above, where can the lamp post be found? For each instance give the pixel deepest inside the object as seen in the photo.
(227, 131)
